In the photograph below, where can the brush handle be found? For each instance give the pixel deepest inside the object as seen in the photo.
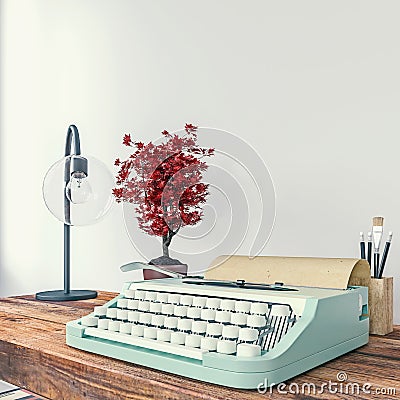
(369, 253)
(376, 265)
(384, 258)
(362, 250)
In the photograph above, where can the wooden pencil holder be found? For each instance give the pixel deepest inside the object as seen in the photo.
(380, 304)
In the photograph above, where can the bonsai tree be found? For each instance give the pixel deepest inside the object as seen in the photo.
(164, 182)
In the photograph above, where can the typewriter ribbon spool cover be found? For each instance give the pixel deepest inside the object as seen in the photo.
(333, 273)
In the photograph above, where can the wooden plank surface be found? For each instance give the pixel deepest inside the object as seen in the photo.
(33, 355)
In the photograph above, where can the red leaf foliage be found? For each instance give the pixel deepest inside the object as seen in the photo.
(164, 181)
(127, 141)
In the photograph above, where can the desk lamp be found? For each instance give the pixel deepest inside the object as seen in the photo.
(77, 190)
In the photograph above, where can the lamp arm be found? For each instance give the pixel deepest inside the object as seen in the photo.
(72, 134)
(72, 138)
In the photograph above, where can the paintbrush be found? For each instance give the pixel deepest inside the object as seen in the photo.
(362, 245)
(385, 254)
(369, 249)
(377, 232)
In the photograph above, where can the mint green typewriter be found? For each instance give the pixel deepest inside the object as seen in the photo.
(228, 332)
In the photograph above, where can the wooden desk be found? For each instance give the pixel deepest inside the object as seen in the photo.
(33, 355)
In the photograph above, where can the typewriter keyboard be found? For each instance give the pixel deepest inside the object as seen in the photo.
(190, 325)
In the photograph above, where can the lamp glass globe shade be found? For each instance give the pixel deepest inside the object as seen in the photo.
(88, 197)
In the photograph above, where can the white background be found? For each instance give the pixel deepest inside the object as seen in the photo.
(313, 85)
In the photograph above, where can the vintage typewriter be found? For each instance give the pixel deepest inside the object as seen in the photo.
(231, 332)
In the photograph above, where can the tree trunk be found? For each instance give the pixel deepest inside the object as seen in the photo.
(165, 243)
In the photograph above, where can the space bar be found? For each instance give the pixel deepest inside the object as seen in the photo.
(165, 347)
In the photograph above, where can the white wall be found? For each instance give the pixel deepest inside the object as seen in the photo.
(313, 85)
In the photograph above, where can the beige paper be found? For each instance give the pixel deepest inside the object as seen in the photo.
(335, 273)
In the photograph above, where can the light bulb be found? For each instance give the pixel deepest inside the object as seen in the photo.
(78, 189)
(87, 205)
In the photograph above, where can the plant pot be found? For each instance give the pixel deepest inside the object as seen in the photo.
(149, 274)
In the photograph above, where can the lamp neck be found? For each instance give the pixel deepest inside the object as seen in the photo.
(72, 137)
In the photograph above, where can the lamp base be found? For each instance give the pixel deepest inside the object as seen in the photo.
(59, 295)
